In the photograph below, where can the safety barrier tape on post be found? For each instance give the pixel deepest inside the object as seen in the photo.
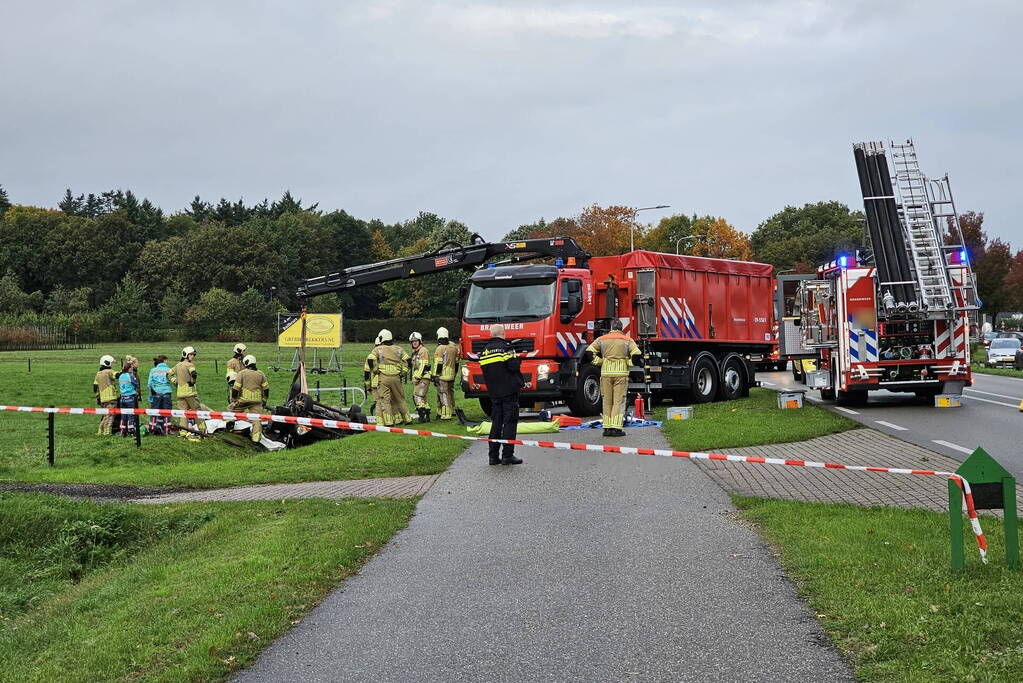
(229, 416)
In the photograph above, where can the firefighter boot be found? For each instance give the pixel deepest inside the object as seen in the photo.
(511, 460)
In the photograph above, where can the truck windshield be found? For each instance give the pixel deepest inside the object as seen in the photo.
(509, 303)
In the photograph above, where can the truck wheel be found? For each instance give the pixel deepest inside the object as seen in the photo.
(797, 371)
(733, 379)
(704, 388)
(487, 406)
(586, 400)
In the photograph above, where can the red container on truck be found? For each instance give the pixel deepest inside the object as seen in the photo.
(701, 322)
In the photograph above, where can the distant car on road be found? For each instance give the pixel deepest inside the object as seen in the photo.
(1002, 352)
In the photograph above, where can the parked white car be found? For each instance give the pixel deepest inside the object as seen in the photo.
(1002, 352)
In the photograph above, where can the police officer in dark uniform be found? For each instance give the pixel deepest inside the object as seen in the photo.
(500, 366)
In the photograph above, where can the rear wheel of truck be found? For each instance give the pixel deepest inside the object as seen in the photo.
(704, 388)
(797, 370)
(733, 379)
(586, 400)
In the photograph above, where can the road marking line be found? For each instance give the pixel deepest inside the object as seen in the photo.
(954, 447)
(892, 426)
(846, 410)
(989, 393)
(987, 400)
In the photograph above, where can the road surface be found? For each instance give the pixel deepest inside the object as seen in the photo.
(989, 417)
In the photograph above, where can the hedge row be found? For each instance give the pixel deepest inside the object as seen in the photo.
(401, 328)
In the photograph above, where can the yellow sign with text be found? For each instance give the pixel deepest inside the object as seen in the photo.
(322, 330)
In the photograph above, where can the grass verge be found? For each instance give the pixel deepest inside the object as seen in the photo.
(880, 583)
(752, 421)
(182, 592)
(979, 357)
(64, 378)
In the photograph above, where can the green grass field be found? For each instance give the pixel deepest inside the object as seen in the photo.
(64, 378)
(171, 593)
(880, 582)
(979, 356)
(751, 421)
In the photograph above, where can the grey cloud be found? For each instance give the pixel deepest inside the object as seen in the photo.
(499, 113)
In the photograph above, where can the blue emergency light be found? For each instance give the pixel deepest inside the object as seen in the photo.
(560, 263)
(963, 256)
(843, 261)
(491, 265)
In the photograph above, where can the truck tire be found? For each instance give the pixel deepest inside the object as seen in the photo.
(585, 402)
(706, 378)
(797, 371)
(733, 382)
(486, 405)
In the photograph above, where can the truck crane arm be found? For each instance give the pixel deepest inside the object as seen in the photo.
(450, 256)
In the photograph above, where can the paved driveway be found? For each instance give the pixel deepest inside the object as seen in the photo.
(573, 567)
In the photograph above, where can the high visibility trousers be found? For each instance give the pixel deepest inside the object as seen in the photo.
(419, 392)
(391, 397)
(251, 407)
(445, 399)
(189, 403)
(106, 422)
(612, 390)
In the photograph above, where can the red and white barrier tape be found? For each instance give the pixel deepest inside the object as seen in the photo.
(560, 445)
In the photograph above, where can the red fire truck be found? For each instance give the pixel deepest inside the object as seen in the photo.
(701, 322)
(901, 321)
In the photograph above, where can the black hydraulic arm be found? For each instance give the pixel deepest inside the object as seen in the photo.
(450, 256)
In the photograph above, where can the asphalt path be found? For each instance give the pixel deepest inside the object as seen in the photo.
(989, 417)
(575, 566)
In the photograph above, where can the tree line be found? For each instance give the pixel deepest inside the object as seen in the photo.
(114, 266)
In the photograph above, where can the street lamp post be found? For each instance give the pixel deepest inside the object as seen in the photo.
(679, 240)
(632, 225)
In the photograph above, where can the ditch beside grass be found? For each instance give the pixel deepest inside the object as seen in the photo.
(880, 583)
(193, 591)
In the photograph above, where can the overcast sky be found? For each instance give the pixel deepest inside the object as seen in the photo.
(499, 113)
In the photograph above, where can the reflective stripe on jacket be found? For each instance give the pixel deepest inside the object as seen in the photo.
(106, 384)
(366, 367)
(421, 363)
(254, 385)
(500, 366)
(391, 360)
(612, 352)
(445, 361)
(183, 376)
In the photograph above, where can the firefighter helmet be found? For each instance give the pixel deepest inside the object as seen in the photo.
(415, 336)
(106, 361)
(186, 351)
(442, 333)
(385, 336)
(249, 360)
(240, 348)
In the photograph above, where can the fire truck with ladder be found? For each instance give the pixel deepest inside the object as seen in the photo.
(901, 320)
(700, 322)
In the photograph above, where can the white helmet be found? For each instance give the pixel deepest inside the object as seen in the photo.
(376, 342)
(442, 332)
(385, 336)
(187, 350)
(415, 336)
(106, 361)
(249, 360)
(240, 348)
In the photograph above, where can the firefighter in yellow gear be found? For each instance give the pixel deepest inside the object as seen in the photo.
(421, 376)
(183, 377)
(612, 352)
(445, 370)
(234, 366)
(390, 363)
(371, 381)
(107, 393)
(250, 393)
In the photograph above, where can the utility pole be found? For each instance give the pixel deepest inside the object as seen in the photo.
(632, 224)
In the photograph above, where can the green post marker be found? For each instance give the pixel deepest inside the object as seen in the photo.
(993, 488)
